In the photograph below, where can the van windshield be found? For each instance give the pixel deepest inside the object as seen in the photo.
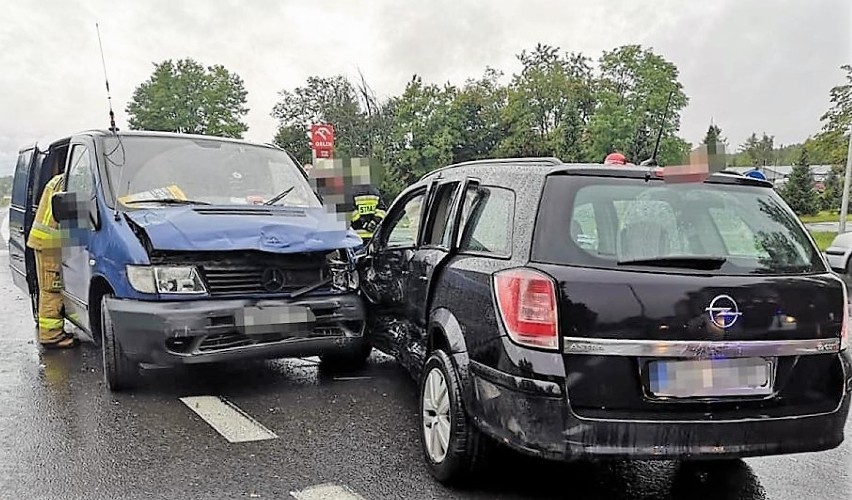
(628, 224)
(150, 171)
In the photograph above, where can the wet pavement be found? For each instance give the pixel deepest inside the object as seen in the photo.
(63, 435)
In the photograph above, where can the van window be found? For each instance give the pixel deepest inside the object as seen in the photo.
(489, 221)
(616, 221)
(80, 171)
(19, 184)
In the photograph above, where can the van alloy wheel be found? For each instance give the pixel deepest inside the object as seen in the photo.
(436, 415)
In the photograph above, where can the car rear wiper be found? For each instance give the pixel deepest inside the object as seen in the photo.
(169, 201)
(700, 263)
(280, 196)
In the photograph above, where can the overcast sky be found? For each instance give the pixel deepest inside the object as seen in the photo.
(751, 65)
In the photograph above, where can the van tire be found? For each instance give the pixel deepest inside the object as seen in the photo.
(120, 373)
(349, 358)
(468, 448)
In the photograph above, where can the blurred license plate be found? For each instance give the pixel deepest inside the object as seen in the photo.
(711, 377)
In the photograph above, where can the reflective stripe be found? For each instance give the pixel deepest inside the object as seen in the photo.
(50, 323)
(364, 234)
(699, 349)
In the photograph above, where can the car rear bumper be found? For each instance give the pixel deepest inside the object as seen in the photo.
(201, 331)
(535, 417)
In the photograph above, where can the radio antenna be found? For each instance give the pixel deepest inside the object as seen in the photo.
(652, 161)
(112, 127)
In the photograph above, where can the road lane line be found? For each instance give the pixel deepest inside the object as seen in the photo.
(227, 419)
(329, 491)
(4, 230)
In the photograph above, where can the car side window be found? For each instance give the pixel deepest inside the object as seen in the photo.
(489, 220)
(19, 184)
(403, 228)
(439, 226)
(80, 171)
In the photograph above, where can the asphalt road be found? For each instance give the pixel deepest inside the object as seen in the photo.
(63, 435)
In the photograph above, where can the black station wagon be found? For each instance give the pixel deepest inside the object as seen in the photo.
(589, 311)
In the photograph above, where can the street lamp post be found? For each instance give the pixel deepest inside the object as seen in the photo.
(844, 204)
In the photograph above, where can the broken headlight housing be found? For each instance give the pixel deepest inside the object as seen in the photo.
(344, 275)
(165, 279)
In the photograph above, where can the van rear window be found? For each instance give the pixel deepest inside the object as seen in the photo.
(623, 223)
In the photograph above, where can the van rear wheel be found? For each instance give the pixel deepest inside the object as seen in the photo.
(120, 373)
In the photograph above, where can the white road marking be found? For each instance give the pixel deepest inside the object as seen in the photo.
(227, 419)
(327, 491)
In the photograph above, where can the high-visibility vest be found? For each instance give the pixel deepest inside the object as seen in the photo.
(45, 234)
(366, 211)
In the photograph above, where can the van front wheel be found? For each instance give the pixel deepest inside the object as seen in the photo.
(119, 372)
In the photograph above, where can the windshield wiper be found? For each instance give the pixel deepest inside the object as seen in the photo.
(280, 196)
(700, 263)
(169, 201)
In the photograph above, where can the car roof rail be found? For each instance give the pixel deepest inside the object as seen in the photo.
(542, 161)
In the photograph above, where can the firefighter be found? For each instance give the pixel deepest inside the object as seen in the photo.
(46, 242)
(369, 212)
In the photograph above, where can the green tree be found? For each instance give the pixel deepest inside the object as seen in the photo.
(632, 91)
(713, 136)
(423, 135)
(548, 105)
(833, 191)
(186, 97)
(799, 190)
(715, 147)
(475, 113)
(757, 151)
(332, 100)
(832, 141)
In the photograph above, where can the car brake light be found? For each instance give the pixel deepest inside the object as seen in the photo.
(526, 300)
(844, 329)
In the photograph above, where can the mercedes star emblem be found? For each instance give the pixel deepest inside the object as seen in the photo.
(272, 279)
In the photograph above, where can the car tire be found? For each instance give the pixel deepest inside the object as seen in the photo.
(349, 358)
(461, 454)
(120, 373)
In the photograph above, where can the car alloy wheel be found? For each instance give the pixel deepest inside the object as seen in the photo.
(436, 415)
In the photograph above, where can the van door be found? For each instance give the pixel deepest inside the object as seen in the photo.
(76, 266)
(20, 221)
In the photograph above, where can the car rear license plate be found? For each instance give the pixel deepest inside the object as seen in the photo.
(711, 377)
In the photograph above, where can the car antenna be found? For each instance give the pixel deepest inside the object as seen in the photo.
(112, 127)
(652, 161)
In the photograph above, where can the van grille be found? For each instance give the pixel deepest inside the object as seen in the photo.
(251, 279)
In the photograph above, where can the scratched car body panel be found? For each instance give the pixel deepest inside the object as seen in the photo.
(569, 296)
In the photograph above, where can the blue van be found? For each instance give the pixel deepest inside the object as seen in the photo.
(189, 249)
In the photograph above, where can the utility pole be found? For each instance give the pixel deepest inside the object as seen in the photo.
(844, 205)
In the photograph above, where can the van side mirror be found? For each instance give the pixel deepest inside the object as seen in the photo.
(64, 207)
(74, 213)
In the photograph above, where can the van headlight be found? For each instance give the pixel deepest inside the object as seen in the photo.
(165, 279)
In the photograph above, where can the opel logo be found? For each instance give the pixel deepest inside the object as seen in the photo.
(723, 311)
(272, 279)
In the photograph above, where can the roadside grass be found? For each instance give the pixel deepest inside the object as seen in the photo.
(823, 238)
(824, 216)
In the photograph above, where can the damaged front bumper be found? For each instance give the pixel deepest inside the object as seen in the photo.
(535, 417)
(201, 331)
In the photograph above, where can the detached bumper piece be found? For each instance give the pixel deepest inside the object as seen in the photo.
(538, 418)
(185, 332)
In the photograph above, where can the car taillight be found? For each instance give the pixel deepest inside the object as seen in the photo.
(844, 329)
(526, 300)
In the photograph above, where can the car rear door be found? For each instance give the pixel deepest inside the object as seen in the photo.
(20, 220)
(437, 242)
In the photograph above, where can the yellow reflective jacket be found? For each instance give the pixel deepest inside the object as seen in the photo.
(44, 234)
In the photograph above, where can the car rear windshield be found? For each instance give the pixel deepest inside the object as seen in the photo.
(620, 223)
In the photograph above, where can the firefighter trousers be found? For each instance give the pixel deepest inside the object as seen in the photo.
(50, 322)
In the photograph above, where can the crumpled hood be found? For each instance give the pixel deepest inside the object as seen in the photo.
(268, 229)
